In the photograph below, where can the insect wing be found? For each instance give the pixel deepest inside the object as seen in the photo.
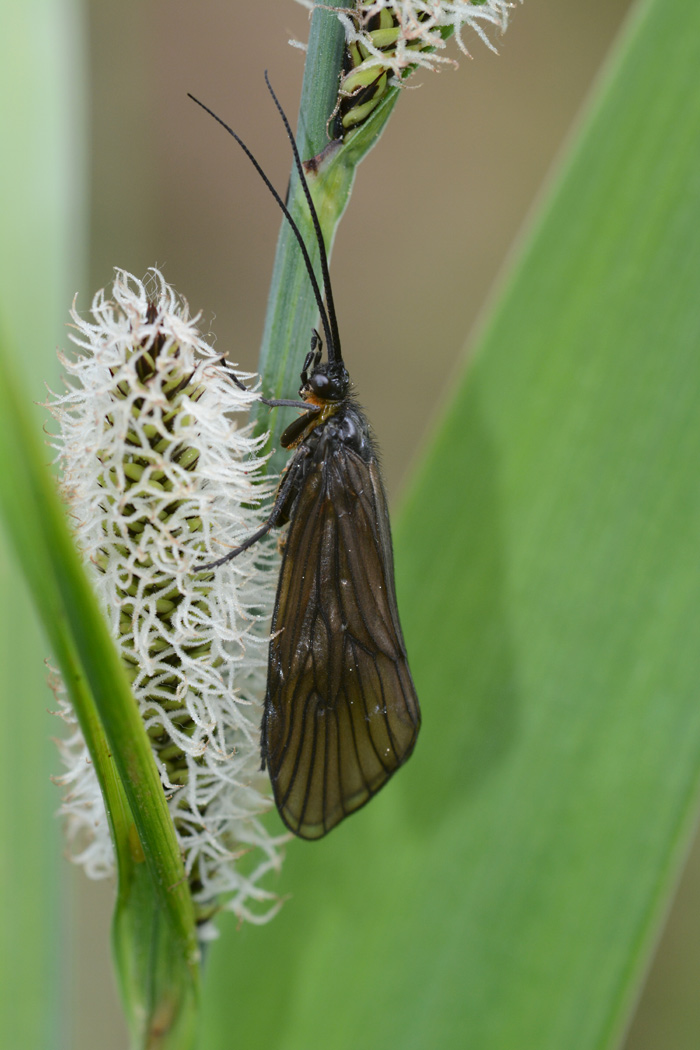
(341, 712)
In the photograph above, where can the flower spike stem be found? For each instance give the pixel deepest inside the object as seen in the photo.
(291, 310)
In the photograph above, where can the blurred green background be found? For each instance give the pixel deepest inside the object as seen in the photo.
(435, 212)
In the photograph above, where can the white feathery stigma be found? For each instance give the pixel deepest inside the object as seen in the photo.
(421, 29)
(162, 474)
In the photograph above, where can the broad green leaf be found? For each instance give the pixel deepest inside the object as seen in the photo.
(504, 891)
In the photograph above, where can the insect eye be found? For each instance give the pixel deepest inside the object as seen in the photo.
(322, 385)
(327, 383)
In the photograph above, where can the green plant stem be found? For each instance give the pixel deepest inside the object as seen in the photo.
(292, 311)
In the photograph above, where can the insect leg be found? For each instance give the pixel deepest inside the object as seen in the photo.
(283, 491)
(277, 403)
(270, 402)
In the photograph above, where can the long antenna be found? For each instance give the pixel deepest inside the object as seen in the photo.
(335, 342)
(328, 332)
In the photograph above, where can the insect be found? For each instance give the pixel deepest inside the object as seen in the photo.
(341, 712)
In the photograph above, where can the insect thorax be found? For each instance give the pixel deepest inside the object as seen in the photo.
(345, 429)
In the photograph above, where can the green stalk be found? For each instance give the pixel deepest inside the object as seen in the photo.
(292, 312)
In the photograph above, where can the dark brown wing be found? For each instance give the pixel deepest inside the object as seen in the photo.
(341, 712)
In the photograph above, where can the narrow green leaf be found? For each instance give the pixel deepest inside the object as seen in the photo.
(41, 247)
(96, 681)
(505, 889)
(159, 996)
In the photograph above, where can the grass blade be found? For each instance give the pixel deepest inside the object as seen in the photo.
(41, 248)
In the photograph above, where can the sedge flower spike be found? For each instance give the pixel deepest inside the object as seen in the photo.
(388, 40)
(400, 35)
(160, 477)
